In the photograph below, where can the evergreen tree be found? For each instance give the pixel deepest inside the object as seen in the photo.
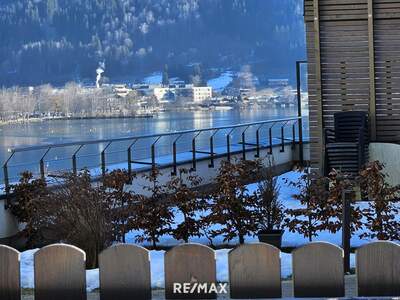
(197, 78)
(165, 76)
(52, 8)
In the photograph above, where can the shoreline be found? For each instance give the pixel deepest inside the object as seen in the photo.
(144, 116)
(138, 116)
(36, 120)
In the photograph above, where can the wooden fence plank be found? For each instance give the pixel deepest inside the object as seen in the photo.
(60, 273)
(318, 271)
(189, 263)
(125, 273)
(255, 272)
(10, 286)
(378, 269)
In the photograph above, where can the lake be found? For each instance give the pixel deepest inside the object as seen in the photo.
(62, 131)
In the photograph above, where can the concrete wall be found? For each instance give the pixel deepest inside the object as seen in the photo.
(283, 161)
(389, 155)
(8, 223)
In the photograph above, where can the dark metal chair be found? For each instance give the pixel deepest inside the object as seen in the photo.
(347, 145)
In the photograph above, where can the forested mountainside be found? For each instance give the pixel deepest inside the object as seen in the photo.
(62, 40)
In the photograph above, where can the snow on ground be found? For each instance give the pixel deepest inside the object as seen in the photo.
(157, 257)
(220, 83)
(154, 78)
(157, 269)
(289, 239)
(26, 261)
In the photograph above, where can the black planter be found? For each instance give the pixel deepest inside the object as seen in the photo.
(272, 237)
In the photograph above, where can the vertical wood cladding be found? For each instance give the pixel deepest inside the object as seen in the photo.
(359, 43)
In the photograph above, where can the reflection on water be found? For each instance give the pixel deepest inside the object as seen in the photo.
(50, 132)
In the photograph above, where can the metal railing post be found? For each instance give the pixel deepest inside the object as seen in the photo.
(129, 162)
(153, 156)
(153, 153)
(258, 141)
(194, 154)
(6, 185)
(270, 139)
(194, 163)
(257, 144)
(244, 143)
(130, 159)
(42, 169)
(175, 166)
(74, 164)
(174, 158)
(41, 164)
(228, 147)
(301, 144)
(283, 137)
(103, 159)
(299, 111)
(7, 178)
(211, 165)
(294, 136)
(228, 144)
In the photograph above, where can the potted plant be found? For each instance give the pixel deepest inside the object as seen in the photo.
(270, 209)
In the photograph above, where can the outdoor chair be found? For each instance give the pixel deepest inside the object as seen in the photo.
(347, 145)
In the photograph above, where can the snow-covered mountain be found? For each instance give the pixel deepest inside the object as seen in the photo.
(62, 40)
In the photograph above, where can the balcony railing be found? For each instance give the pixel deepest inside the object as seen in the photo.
(155, 150)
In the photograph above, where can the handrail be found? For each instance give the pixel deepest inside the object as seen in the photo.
(156, 137)
(91, 142)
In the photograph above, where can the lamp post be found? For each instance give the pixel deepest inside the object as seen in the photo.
(299, 112)
(346, 229)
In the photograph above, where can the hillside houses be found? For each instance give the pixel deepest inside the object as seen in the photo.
(167, 94)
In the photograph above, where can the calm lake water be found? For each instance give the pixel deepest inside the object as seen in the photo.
(62, 131)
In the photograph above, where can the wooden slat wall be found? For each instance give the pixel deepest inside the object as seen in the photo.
(387, 69)
(314, 104)
(347, 55)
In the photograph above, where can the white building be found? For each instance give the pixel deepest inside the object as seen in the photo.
(274, 83)
(202, 93)
(198, 94)
(160, 92)
(121, 90)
